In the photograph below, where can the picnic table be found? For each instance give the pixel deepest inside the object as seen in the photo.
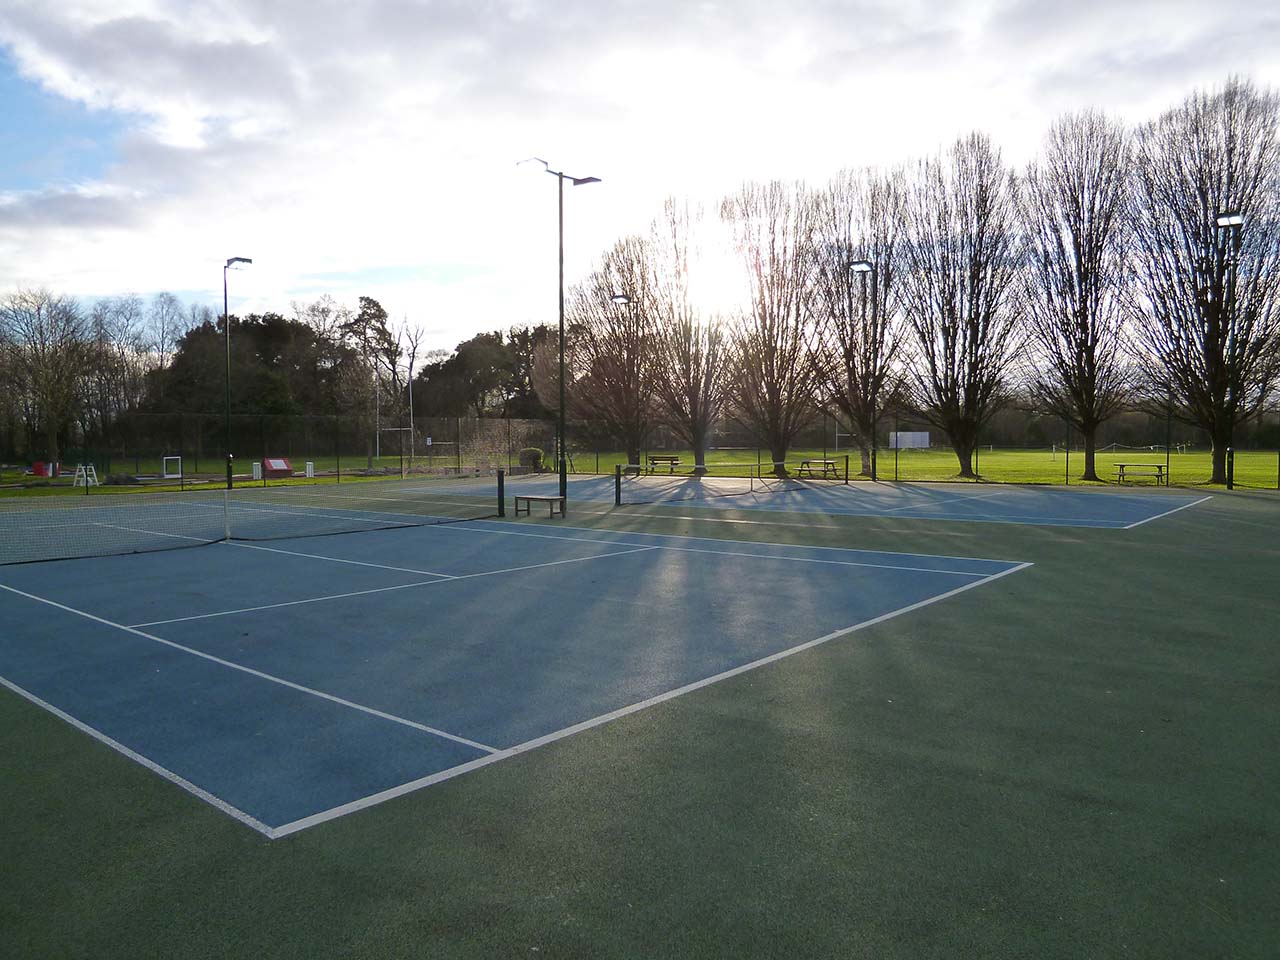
(818, 468)
(1141, 469)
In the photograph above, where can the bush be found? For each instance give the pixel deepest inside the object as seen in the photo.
(532, 458)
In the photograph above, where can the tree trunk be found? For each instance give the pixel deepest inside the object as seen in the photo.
(778, 451)
(1090, 452)
(699, 452)
(52, 442)
(865, 449)
(964, 454)
(1219, 460)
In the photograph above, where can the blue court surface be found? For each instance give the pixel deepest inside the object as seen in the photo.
(985, 503)
(295, 681)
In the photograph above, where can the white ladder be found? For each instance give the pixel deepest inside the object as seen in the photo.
(86, 476)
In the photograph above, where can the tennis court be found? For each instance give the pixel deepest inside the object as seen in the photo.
(295, 681)
(982, 503)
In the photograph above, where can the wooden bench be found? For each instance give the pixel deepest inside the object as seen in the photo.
(825, 468)
(1141, 469)
(555, 503)
(663, 461)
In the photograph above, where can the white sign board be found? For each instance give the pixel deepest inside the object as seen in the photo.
(909, 439)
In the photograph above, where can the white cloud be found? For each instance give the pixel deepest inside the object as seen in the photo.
(340, 137)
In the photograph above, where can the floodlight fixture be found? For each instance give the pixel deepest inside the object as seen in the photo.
(1230, 218)
(620, 298)
(862, 266)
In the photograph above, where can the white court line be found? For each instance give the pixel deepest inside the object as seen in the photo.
(1087, 523)
(374, 799)
(474, 528)
(252, 672)
(358, 563)
(154, 533)
(402, 586)
(842, 563)
(926, 504)
(1166, 513)
(254, 546)
(138, 758)
(290, 603)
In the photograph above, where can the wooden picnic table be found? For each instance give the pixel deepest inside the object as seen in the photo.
(1147, 469)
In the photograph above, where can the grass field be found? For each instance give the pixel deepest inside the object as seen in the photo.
(1078, 761)
(1259, 469)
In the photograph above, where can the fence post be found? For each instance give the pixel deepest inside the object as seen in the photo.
(502, 494)
(337, 444)
(617, 484)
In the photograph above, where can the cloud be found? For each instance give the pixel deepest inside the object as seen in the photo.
(369, 146)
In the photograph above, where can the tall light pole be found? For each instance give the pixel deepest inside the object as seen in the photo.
(561, 176)
(1228, 227)
(864, 267)
(226, 323)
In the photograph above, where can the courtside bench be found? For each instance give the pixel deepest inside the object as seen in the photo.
(1142, 470)
(555, 503)
(662, 461)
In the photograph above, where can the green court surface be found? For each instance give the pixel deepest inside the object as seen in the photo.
(1075, 761)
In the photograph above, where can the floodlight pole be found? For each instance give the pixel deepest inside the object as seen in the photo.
(864, 267)
(226, 323)
(1228, 227)
(561, 176)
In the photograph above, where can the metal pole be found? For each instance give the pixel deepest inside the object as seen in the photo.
(1231, 311)
(564, 472)
(226, 324)
(875, 393)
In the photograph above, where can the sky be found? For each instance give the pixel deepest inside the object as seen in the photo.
(370, 147)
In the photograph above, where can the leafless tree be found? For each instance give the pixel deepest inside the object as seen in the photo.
(1207, 300)
(166, 323)
(49, 351)
(958, 287)
(859, 334)
(772, 383)
(1073, 205)
(691, 351)
(613, 358)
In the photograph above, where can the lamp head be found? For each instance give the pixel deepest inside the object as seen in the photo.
(1230, 218)
(579, 181)
(238, 260)
(620, 298)
(862, 266)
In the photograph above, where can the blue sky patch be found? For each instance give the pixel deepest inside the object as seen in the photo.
(47, 141)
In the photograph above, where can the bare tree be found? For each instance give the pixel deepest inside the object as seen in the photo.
(613, 358)
(771, 387)
(49, 352)
(691, 351)
(166, 323)
(859, 334)
(1207, 300)
(958, 287)
(1073, 205)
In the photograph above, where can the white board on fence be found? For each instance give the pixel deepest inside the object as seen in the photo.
(909, 439)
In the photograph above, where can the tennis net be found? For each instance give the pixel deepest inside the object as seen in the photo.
(64, 527)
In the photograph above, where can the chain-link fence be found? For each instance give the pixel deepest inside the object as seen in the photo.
(182, 449)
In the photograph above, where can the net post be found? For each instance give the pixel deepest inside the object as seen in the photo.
(502, 493)
(617, 484)
(226, 515)
(846, 469)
